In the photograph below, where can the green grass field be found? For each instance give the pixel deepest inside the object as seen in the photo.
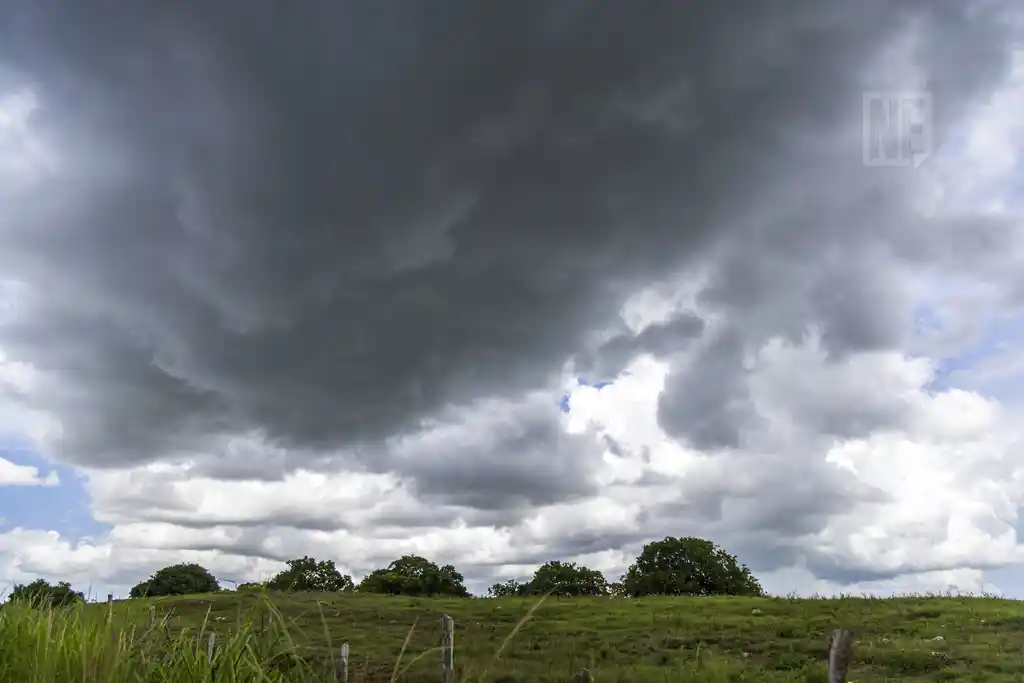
(653, 639)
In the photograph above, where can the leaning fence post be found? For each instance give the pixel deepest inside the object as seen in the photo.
(839, 655)
(447, 649)
(341, 665)
(210, 644)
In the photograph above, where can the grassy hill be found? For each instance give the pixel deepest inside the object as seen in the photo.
(653, 639)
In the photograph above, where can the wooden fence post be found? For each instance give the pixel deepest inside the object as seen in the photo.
(152, 617)
(447, 649)
(839, 655)
(341, 665)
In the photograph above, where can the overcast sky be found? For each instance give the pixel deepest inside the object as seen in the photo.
(499, 283)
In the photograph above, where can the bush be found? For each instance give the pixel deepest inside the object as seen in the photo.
(40, 593)
(178, 579)
(508, 589)
(306, 574)
(565, 579)
(251, 586)
(688, 566)
(414, 575)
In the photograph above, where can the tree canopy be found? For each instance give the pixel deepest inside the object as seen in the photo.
(251, 586)
(508, 589)
(415, 575)
(567, 579)
(40, 593)
(564, 579)
(306, 574)
(671, 566)
(688, 566)
(178, 579)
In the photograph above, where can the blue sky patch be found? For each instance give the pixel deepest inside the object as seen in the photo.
(63, 508)
(992, 366)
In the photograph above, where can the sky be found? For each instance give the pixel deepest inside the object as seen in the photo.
(498, 284)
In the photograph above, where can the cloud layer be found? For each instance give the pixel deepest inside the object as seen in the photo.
(311, 280)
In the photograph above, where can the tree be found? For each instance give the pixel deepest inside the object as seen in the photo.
(567, 579)
(251, 586)
(688, 566)
(178, 579)
(508, 589)
(617, 589)
(306, 574)
(414, 575)
(40, 593)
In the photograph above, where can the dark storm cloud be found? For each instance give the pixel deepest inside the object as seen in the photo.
(658, 339)
(806, 498)
(706, 401)
(95, 370)
(307, 224)
(329, 222)
(509, 456)
(846, 570)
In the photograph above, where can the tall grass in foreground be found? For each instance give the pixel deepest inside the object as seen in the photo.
(82, 645)
(88, 644)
